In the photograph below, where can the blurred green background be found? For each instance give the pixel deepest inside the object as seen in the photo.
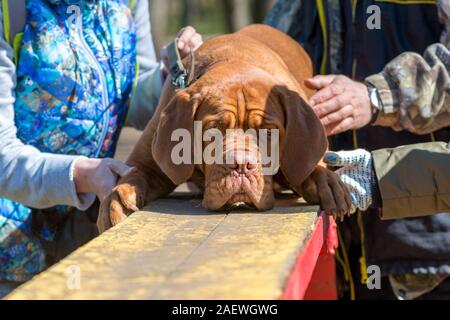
(209, 17)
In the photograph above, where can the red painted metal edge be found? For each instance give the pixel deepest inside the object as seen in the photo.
(313, 276)
(323, 281)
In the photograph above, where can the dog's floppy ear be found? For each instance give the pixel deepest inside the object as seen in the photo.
(305, 140)
(179, 113)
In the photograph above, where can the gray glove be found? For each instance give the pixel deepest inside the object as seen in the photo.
(357, 174)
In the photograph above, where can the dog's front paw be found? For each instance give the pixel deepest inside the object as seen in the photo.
(123, 201)
(324, 187)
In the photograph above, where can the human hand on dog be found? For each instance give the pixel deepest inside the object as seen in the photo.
(357, 173)
(341, 103)
(98, 176)
(188, 39)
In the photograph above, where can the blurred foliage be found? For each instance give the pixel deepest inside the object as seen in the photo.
(209, 17)
(205, 15)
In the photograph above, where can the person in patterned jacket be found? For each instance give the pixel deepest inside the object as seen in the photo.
(72, 73)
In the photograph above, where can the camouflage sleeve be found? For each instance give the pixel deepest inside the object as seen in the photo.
(414, 88)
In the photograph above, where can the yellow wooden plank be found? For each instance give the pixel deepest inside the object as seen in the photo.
(177, 250)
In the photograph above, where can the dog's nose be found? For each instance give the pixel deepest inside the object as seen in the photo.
(243, 163)
(243, 168)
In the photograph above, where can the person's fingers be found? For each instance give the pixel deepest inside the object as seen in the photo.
(332, 105)
(332, 159)
(184, 35)
(191, 44)
(319, 82)
(346, 158)
(325, 94)
(339, 127)
(120, 168)
(106, 183)
(187, 29)
(340, 158)
(196, 41)
(337, 116)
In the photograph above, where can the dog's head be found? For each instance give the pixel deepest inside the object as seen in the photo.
(238, 130)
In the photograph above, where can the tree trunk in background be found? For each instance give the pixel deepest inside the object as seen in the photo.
(260, 8)
(159, 11)
(190, 11)
(237, 14)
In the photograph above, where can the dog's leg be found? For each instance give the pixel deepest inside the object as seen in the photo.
(146, 183)
(324, 187)
(132, 193)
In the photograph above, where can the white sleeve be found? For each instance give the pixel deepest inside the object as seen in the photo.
(35, 179)
(150, 79)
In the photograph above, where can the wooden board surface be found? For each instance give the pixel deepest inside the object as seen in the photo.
(174, 249)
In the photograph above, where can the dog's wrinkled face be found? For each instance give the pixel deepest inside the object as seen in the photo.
(246, 109)
(247, 122)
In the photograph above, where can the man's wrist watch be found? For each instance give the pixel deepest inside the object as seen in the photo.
(375, 101)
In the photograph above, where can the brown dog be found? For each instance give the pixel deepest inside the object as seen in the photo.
(252, 79)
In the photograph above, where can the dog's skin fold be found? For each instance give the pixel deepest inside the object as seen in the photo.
(249, 79)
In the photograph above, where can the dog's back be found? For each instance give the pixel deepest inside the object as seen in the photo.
(293, 55)
(261, 46)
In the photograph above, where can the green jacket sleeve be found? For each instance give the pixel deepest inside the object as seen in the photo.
(414, 180)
